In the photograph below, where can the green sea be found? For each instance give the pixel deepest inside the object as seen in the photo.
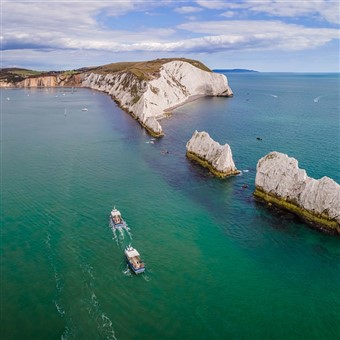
(219, 265)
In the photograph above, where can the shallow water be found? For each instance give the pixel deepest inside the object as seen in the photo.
(219, 265)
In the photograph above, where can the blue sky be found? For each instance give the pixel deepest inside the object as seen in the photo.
(264, 35)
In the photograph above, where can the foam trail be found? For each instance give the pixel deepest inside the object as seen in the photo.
(115, 237)
(48, 239)
(127, 271)
(107, 326)
(146, 277)
(59, 309)
(87, 268)
(104, 324)
(121, 234)
(128, 232)
(65, 334)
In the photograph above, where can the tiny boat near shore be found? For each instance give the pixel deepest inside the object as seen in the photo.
(134, 260)
(116, 220)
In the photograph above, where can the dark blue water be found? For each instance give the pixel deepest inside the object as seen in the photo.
(219, 265)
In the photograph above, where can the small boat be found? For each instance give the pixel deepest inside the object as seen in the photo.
(134, 260)
(84, 109)
(116, 219)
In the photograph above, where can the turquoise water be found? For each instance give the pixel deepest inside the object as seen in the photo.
(219, 264)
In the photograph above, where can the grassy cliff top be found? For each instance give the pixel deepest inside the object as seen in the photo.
(17, 74)
(143, 69)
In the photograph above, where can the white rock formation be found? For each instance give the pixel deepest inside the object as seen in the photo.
(280, 177)
(59, 80)
(218, 158)
(148, 100)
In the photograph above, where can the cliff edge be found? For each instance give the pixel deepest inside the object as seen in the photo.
(210, 154)
(150, 91)
(279, 180)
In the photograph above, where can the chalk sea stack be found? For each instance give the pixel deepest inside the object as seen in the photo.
(210, 154)
(279, 180)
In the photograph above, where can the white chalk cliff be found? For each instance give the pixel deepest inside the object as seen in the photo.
(279, 180)
(148, 100)
(218, 158)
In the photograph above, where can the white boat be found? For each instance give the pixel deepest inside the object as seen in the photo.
(84, 109)
(134, 260)
(116, 219)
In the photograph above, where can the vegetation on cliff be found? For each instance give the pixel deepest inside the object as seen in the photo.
(143, 70)
(15, 75)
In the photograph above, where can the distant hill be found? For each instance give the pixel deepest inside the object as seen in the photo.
(235, 70)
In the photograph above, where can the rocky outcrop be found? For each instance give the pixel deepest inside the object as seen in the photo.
(148, 100)
(280, 181)
(217, 158)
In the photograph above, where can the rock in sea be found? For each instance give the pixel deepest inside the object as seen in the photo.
(210, 154)
(279, 180)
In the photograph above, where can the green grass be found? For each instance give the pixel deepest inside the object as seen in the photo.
(143, 70)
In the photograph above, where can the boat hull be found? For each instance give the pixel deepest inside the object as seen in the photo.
(136, 270)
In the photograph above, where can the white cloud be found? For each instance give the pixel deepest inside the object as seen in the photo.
(188, 9)
(228, 14)
(240, 34)
(67, 27)
(328, 10)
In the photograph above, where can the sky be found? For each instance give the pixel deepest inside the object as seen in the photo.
(262, 35)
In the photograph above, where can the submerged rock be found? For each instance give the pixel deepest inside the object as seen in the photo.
(279, 180)
(217, 158)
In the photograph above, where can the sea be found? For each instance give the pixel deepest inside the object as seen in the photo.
(219, 264)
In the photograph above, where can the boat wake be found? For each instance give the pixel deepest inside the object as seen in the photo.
(59, 309)
(59, 288)
(65, 334)
(127, 271)
(104, 324)
(119, 234)
(273, 95)
(88, 270)
(146, 277)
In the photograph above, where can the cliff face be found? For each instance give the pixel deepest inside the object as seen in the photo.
(148, 100)
(279, 180)
(218, 158)
(51, 81)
